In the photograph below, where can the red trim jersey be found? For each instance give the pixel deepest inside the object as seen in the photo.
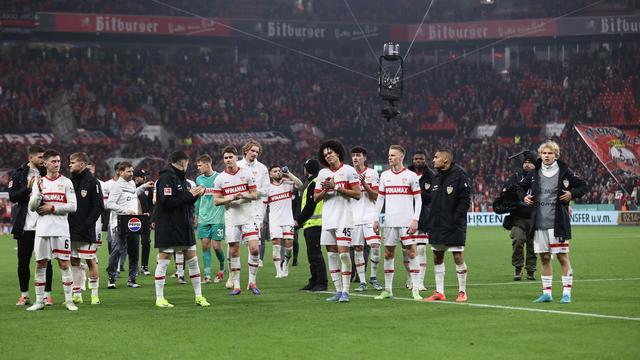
(364, 210)
(337, 211)
(58, 192)
(279, 200)
(228, 184)
(401, 195)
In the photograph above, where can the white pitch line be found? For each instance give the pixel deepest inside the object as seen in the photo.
(505, 307)
(532, 282)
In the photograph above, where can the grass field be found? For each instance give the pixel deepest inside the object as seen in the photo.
(500, 321)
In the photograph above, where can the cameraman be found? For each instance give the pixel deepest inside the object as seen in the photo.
(518, 221)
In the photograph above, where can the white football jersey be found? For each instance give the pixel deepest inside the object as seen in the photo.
(398, 191)
(260, 175)
(58, 192)
(279, 200)
(227, 184)
(337, 211)
(364, 210)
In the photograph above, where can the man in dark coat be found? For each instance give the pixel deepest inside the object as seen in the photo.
(549, 189)
(518, 221)
(24, 221)
(82, 226)
(174, 225)
(447, 221)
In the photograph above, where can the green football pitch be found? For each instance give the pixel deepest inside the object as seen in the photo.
(499, 322)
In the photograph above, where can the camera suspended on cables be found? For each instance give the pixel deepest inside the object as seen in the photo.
(390, 79)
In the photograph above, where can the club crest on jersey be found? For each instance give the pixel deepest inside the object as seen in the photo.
(61, 186)
(427, 186)
(565, 182)
(449, 189)
(10, 184)
(167, 191)
(83, 193)
(134, 224)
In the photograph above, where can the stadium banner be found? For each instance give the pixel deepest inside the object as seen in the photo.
(240, 138)
(629, 218)
(617, 150)
(598, 25)
(133, 24)
(577, 218)
(479, 30)
(60, 118)
(85, 137)
(11, 22)
(312, 31)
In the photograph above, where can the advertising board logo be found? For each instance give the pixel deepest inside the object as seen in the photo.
(134, 224)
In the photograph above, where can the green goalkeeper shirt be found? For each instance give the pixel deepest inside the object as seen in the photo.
(206, 210)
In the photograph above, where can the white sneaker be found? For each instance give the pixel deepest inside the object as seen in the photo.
(260, 263)
(71, 306)
(36, 306)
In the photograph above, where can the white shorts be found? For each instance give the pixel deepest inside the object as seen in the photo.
(174, 249)
(545, 242)
(340, 237)
(241, 233)
(394, 235)
(449, 248)
(281, 232)
(364, 234)
(422, 238)
(52, 247)
(83, 250)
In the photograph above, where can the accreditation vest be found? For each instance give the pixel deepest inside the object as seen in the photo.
(316, 218)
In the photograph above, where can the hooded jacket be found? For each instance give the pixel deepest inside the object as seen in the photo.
(19, 194)
(90, 205)
(450, 200)
(173, 210)
(567, 181)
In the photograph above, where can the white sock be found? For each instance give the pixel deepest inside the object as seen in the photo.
(567, 283)
(254, 262)
(360, 265)
(235, 271)
(67, 283)
(40, 281)
(422, 260)
(414, 265)
(334, 270)
(405, 260)
(276, 258)
(160, 275)
(180, 264)
(288, 251)
(76, 274)
(194, 274)
(461, 271)
(546, 284)
(83, 274)
(24, 293)
(439, 275)
(94, 284)
(388, 274)
(345, 268)
(375, 260)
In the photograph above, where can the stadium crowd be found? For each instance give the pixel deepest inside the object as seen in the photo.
(441, 107)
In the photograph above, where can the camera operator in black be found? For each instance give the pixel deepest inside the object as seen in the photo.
(519, 219)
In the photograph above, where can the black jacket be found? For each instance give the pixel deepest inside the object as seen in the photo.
(82, 223)
(450, 199)
(19, 194)
(174, 209)
(426, 180)
(310, 205)
(146, 201)
(567, 181)
(509, 201)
